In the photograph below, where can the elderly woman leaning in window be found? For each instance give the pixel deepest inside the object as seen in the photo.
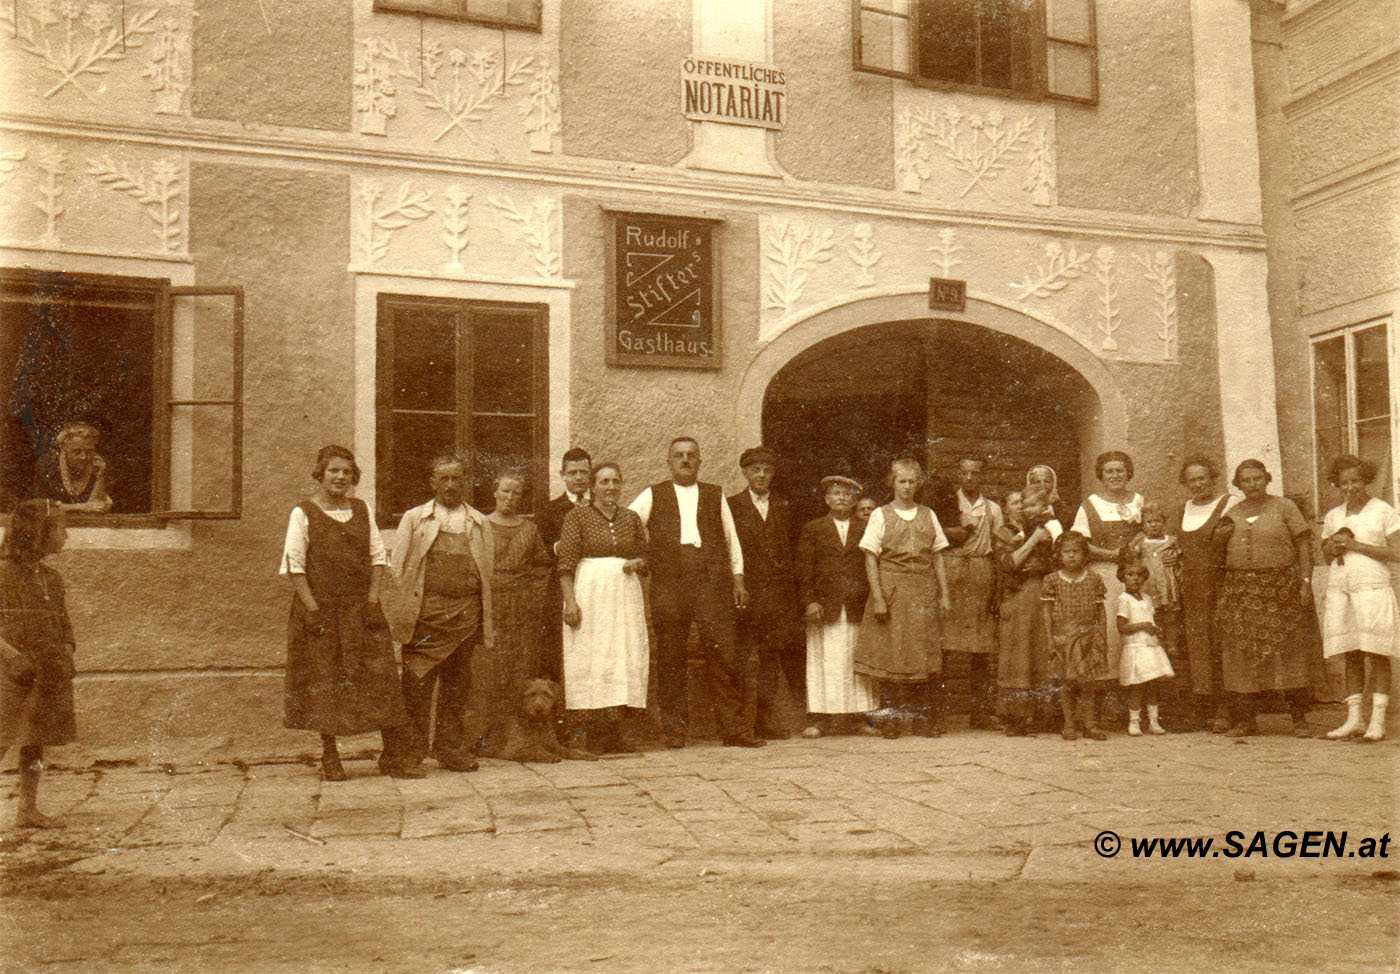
(73, 474)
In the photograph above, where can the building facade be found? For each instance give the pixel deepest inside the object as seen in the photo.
(235, 230)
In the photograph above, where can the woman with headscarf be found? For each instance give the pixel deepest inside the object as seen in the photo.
(1263, 614)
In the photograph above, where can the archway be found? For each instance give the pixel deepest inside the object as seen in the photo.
(856, 384)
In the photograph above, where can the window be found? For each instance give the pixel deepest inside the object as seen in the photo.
(1034, 48)
(463, 376)
(1351, 403)
(496, 13)
(157, 370)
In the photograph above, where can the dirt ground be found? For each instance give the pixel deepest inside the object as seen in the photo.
(720, 922)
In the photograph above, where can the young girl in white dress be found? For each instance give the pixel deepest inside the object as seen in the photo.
(1361, 621)
(1143, 663)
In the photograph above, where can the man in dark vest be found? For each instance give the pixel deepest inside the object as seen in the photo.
(697, 576)
(576, 469)
(769, 636)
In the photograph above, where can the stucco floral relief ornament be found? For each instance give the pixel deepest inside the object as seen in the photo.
(77, 40)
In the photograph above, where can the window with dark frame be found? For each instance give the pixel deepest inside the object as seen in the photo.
(524, 14)
(470, 377)
(156, 369)
(1028, 48)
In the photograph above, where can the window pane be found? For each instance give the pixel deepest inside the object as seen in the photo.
(884, 37)
(1330, 384)
(500, 443)
(1331, 443)
(1373, 443)
(1069, 71)
(1372, 373)
(425, 358)
(948, 41)
(997, 29)
(201, 458)
(503, 372)
(417, 439)
(1070, 20)
(202, 346)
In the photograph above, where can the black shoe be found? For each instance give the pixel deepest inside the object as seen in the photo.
(456, 760)
(745, 740)
(394, 769)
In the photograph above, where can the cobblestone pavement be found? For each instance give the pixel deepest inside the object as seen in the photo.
(973, 806)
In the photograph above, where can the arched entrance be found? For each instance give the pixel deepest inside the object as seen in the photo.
(856, 385)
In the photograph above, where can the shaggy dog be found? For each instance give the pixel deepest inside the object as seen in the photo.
(529, 735)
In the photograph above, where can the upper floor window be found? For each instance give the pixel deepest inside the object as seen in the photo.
(123, 389)
(1032, 48)
(495, 13)
(1352, 404)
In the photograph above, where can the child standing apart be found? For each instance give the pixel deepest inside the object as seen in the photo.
(901, 635)
(1073, 613)
(1143, 662)
(36, 645)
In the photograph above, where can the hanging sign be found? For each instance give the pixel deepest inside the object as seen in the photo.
(733, 92)
(663, 291)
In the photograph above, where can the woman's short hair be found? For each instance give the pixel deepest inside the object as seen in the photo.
(1109, 457)
(1199, 461)
(605, 465)
(514, 473)
(908, 463)
(1251, 464)
(1131, 564)
(1349, 461)
(77, 431)
(31, 525)
(334, 451)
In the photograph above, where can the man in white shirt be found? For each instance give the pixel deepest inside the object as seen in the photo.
(697, 569)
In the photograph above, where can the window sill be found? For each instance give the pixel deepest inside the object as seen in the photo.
(128, 532)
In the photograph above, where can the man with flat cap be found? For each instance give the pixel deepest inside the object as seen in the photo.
(832, 586)
(770, 641)
(697, 577)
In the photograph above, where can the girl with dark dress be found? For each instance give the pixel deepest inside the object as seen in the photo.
(1194, 525)
(1025, 555)
(341, 674)
(36, 643)
(519, 571)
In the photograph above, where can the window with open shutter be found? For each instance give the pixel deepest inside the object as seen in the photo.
(465, 377)
(1030, 48)
(153, 372)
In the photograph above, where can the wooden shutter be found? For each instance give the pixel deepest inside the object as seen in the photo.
(200, 419)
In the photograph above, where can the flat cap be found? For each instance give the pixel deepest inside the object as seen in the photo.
(757, 454)
(843, 480)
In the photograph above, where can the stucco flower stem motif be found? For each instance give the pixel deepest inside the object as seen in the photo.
(794, 251)
(537, 227)
(157, 193)
(63, 51)
(476, 80)
(1108, 296)
(1160, 272)
(376, 223)
(1061, 267)
(455, 225)
(541, 109)
(9, 162)
(863, 253)
(946, 251)
(50, 159)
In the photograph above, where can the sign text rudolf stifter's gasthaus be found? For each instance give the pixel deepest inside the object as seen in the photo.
(734, 92)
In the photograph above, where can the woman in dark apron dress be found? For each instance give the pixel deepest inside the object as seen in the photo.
(1194, 524)
(341, 674)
